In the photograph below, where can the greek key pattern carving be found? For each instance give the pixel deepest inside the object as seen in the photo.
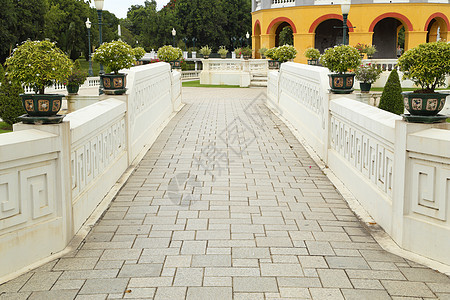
(430, 188)
(94, 156)
(306, 92)
(27, 196)
(365, 152)
(225, 66)
(145, 92)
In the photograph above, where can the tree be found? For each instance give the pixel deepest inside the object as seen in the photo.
(391, 98)
(10, 103)
(286, 36)
(8, 21)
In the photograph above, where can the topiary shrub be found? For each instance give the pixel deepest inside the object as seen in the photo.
(168, 53)
(10, 102)
(391, 99)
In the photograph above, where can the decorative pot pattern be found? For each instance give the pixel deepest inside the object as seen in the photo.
(114, 84)
(42, 105)
(424, 104)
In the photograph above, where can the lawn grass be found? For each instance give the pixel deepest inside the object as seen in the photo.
(380, 89)
(85, 66)
(4, 127)
(196, 83)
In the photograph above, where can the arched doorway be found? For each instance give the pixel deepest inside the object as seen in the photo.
(328, 35)
(281, 28)
(275, 27)
(389, 31)
(257, 39)
(437, 27)
(385, 38)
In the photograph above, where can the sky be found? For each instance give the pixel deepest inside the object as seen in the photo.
(120, 7)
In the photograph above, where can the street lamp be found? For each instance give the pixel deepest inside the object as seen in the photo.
(233, 39)
(88, 26)
(174, 33)
(99, 7)
(194, 39)
(247, 35)
(345, 8)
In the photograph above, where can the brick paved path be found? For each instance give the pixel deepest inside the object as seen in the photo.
(228, 205)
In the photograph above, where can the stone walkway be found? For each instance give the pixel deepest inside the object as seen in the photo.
(227, 204)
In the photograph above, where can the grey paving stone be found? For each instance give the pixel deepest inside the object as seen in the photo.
(14, 296)
(140, 270)
(248, 296)
(334, 278)
(188, 277)
(298, 282)
(255, 284)
(68, 284)
(281, 270)
(294, 292)
(426, 275)
(143, 293)
(211, 260)
(175, 293)
(60, 295)
(101, 286)
(250, 252)
(325, 294)
(193, 247)
(207, 293)
(365, 294)
(404, 288)
(347, 262)
(75, 264)
(41, 281)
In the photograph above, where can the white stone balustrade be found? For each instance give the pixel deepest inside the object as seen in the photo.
(232, 71)
(282, 3)
(398, 171)
(52, 177)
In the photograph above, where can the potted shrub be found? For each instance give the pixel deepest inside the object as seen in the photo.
(205, 51)
(362, 48)
(285, 53)
(367, 74)
(76, 78)
(39, 64)
(246, 52)
(139, 52)
(313, 55)
(426, 65)
(171, 55)
(222, 52)
(115, 55)
(340, 60)
(274, 64)
(238, 52)
(391, 99)
(262, 51)
(370, 51)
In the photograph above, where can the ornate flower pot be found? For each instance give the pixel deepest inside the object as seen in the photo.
(72, 89)
(205, 56)
(274, 64)
(424, 108)
(341, 83)
(365, 87)
(175, 64)
(247, 56)
(42, 105)
(313, 62)
(114, 84)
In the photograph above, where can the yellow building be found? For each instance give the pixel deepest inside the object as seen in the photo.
(318, 23)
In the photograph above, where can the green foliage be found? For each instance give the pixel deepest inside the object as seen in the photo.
(38, 64)
(115, 55)
(222, 51)
(340, 59)
(238, 52)
(401, 38)
(362, 48)
(371, 50)
(286, 36)
(262, 51)
(427, 64)
(76, 78)
(312, 53)
(391, 98)
(285, 53)
(270, 53)
(367, 73)
(139, 52)
(10, 102)
(205, 50)
(169, 53)
(246, 51)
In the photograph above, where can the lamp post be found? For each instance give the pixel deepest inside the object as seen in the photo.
(345, 8)
(99, 7)
(194, 39)
(233, 39)
(247, 35)
(174, 33)
(88, 26)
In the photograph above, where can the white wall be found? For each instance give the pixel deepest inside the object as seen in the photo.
(398, 171)
(52, 177)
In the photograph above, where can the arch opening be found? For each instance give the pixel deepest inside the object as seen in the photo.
(257, 39)
(327, 34)
(436, 30)
(284, 34)
(386, 33)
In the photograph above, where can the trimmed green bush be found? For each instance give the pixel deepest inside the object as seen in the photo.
(10, 102)
(391, 99)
